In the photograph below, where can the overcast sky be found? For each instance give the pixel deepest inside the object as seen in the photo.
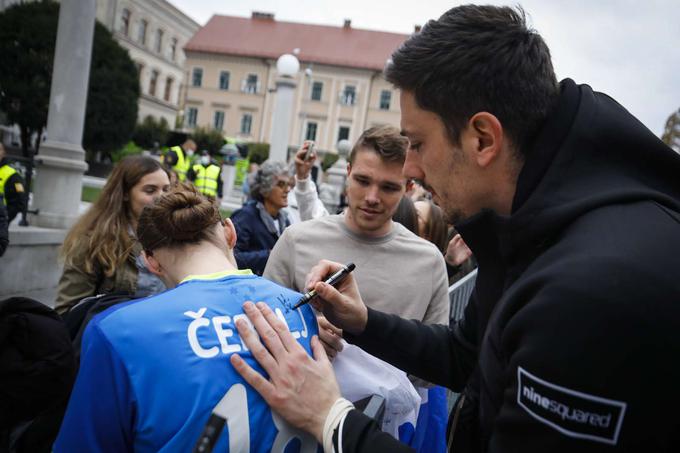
(625, 48)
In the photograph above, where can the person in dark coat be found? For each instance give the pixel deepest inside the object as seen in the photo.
(260, 222)
(37, 371)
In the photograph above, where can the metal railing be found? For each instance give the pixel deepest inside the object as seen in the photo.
(459, 294)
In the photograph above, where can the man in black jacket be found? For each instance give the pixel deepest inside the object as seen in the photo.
(572, 209)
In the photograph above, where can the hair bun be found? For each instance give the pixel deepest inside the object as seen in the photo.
(189, 214)
(181, 216)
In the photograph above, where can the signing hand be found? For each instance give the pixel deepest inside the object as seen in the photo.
(343, 307)
(300, 388)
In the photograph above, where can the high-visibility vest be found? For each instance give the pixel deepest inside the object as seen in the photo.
(183, 164)
(206, 179)
(5, 173)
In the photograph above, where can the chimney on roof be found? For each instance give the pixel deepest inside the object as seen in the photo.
(417, 29)
(347, 24)
(261, 15)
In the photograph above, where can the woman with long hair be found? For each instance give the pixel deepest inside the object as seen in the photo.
(101, 253)
(160, 365)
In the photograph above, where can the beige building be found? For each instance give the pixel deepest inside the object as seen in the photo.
(154, 32)
(340, 90)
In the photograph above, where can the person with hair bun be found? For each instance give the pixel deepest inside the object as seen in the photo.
(158, 366)
(101, 253)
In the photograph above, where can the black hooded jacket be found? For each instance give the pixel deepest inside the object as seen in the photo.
(577, 305)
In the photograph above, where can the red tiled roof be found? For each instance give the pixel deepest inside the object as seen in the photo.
(268, 38)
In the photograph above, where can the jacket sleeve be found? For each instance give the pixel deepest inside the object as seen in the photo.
(437, 353)
(74, 284)
(281, 263)
(4, 228)
(15, 195)
(360, 434)
(309, 204)
(246, 258)
(101, 411)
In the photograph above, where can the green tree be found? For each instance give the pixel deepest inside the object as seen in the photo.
(27, 39)
(27, 35)
(258, 152)
(112, 96)
(149, 132)
(210, 139)
(671, 134)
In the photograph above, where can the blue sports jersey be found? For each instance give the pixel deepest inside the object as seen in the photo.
(153, 369)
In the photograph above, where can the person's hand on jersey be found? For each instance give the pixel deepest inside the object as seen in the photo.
(300, 388)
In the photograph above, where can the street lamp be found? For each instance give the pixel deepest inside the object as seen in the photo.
(287, 67)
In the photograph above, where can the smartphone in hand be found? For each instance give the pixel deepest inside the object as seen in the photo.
(310, 148)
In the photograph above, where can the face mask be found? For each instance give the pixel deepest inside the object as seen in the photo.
(205, 160)
(190, 152)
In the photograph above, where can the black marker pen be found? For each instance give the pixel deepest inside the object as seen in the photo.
(332, 280)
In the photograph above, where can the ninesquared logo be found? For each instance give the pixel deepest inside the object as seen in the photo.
(574, 414)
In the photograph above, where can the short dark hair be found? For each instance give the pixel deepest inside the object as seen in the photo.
(478, 58)
(386, 141)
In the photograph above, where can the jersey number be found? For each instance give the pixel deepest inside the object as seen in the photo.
(236, 405)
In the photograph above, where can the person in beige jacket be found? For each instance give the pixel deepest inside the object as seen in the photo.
(101, 253)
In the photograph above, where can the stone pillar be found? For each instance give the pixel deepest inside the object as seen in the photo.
(336, 178)
(61, 162)
(283, 111)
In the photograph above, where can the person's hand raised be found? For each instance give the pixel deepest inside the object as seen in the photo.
(304, 166)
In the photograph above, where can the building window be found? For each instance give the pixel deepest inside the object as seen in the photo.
(168, 89)
(158, 45)
(153, 82)
(246, 123)
(343, 133)
(173, 49)
(224, 80)
(125, 22)
(192, 115)
(385, 98)
(197, 77)
(317, 88)
(218, 121)
(348, 95)
(310, 134)
(141, 32)
(140, 68)
(250, 84)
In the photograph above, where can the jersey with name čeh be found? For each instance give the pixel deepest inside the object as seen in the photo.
(153, 369)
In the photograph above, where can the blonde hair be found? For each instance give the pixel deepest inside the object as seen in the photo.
(105, 226)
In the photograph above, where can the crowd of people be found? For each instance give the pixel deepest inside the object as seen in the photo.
(186, 321)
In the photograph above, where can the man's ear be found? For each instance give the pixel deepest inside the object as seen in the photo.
(230, 233)
(349, 169)
(152, 264)
(485, 132)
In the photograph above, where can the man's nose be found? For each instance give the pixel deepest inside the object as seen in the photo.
(372, 195)
(411, 168)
